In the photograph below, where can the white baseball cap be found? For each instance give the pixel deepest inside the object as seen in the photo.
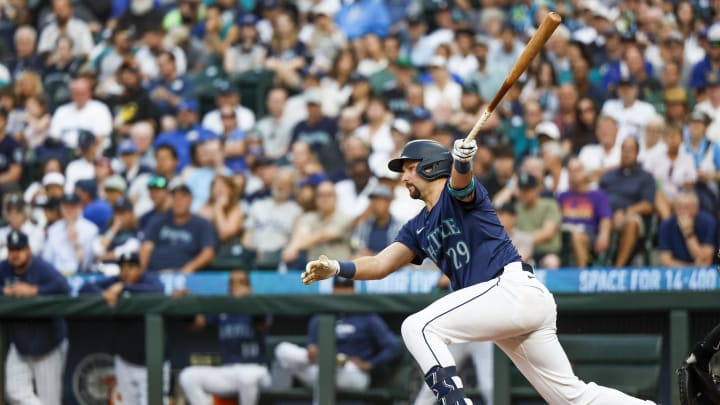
(548, 128)
(713, 33)
(56, 179)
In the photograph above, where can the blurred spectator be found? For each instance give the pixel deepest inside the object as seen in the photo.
(542, 86)
(323, 231)
(380, 228)
(135, 174)
(584, 130)
(556, 179)
(501, 172)
(248, 53)
(566, 117)
(161, 202)
(364, 342)
(361, 91)
(242, 346)
(270, 221)
(35, 122)
(542, 217)
(94, 209)
(38, 348)
(228, 97)
(442, 92)
(585, 214)
(687, 238)
(68, 246)
(11, 157)
(143, 134)
(631, 192)
(81, 113)
(488, 76)
(179, 240)
(233, 140)
(676, 105)
(507, 49)
(336, 85)
(422, 125)
(64, 23)
(600, 157)
(223, 208)
(649, 87)
(188, 131)
(122, 234)
(582, 83)
(286, 53)
(652, 141)
(711, 106)
(84, 166)
(166, 161)
(274, 130)
(15, 213)
(133, 104)
(673, 169)
(126, 337)
(151, 46)
(319, 131)
(374, 59)
(376, 133)
(25, 57)
(353, 192)
(116, 52)
(463, 61)
(323, 38)
(170, 87)
(630, 113)
(710, 62)
(523, 134)
(363, 17)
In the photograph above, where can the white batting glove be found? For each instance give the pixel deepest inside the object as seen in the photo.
(463, 153)
(320, 269)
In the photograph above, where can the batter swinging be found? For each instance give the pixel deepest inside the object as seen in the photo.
(496, 296)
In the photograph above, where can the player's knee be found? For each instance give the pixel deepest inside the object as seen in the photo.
(412, 328)
(186, 377)
(284, 353)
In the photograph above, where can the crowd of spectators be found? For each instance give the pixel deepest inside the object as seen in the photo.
(197, 132)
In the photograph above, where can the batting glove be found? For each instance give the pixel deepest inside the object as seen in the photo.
(319, 269)
(463, 153)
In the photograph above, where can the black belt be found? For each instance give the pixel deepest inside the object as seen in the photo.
(525, 266)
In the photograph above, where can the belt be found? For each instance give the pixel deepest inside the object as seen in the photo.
(514, 265)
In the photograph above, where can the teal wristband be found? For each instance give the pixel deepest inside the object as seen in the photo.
(465, 192)
(347, 269)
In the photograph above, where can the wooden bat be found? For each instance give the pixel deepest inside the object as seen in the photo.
(533, 47)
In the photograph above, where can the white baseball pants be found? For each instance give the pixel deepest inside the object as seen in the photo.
(482, 356)
(132, 381)
(518, 313)
(295, 359)
(46, 371)
(199, 383)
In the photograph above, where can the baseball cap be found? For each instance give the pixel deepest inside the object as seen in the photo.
(48, 203)
(157, 182)
(179, 185)
(53, 179)
(17, 240)
(247, 19)
(188, 105)
(713, 33)
(123, 204)
(698, 115)
(127, 147)
(401, 125)
(129, 257)
(224, 87)
(324, 8)
(87, 185)
(356, 77)
(264, 161)
(438, 61)
(312, 96)
(626, 80)
(421, 114)
(404, 62)
(314, 179)
(527, 181)
(15, 201)
(676, 95)
(85, 139)
(471, 88)
(548, 128)
(115, 182)
(70, 198)
(381, 191)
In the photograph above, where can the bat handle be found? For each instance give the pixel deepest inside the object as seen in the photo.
(478, 125)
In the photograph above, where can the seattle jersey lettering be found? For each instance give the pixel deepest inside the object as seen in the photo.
(458, 251)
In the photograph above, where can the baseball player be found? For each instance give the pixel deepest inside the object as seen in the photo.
(128, 334)
(38, 348)
(242, 344)
(496, 296)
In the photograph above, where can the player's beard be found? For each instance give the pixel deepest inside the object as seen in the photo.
(414, 192)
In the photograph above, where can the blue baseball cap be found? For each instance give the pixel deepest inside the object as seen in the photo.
(188, 105)
(85, 139)
(127, 147)
(17, 240)
(123, 204)
(247, 19)
(421, 114)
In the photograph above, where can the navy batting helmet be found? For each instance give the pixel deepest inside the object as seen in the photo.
(435, 160)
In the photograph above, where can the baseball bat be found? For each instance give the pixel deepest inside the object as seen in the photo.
(548, 26)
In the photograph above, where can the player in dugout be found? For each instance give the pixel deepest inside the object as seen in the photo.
(495, 297)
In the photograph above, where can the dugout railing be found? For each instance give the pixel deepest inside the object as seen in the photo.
(682, 312)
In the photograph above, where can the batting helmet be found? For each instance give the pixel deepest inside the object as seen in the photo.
(435, 160)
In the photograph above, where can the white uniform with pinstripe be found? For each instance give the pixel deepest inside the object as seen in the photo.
(43, 372)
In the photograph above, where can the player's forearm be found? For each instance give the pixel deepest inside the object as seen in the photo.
(370, 268)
